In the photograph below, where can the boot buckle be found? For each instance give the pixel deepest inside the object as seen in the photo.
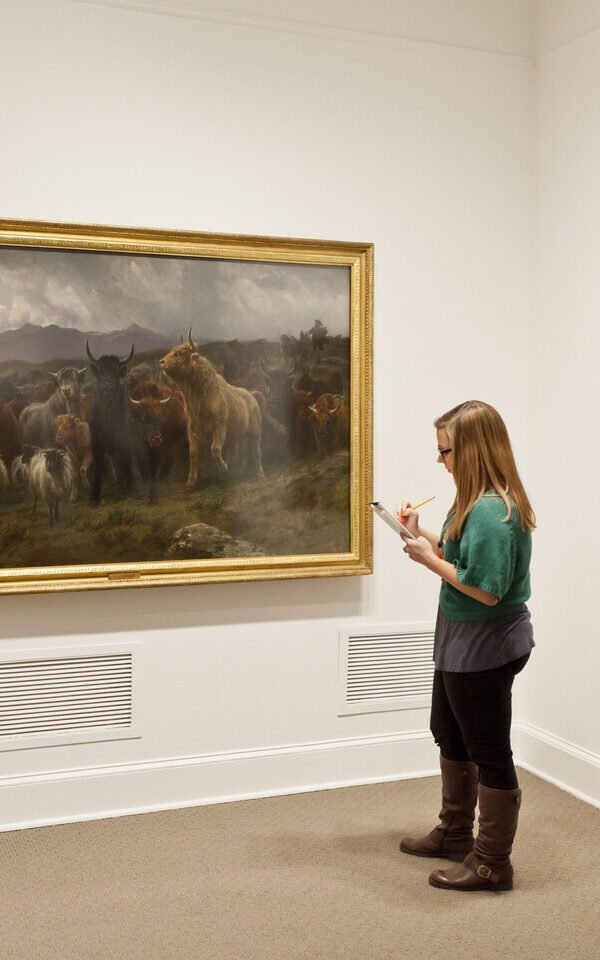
(484, 871)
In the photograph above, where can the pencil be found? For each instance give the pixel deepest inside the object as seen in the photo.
(414, 508)
(422, 502)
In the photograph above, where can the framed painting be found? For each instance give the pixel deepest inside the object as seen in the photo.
(179, 408)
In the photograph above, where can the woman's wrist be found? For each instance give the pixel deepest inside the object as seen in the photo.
(427, 535)
(436, 564)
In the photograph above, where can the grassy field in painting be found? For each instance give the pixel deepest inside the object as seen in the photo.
(302, 509)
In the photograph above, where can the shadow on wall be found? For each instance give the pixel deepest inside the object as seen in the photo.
(153, 608)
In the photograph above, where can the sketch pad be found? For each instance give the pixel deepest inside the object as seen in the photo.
(391, 521)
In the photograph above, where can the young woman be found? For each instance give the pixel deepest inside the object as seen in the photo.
(483, 638)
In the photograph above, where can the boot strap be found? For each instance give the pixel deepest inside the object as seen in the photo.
(480, 869)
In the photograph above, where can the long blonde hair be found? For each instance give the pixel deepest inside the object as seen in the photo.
(483, 460)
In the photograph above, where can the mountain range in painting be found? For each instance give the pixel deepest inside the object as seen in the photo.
(38, 344)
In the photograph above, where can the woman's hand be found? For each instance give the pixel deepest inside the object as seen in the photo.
(410, 517)
(419, 550)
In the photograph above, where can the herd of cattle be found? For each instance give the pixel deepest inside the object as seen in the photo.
(63, 434)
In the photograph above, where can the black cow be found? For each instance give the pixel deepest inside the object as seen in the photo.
(280, 393)
(114, 432)
(329, 381)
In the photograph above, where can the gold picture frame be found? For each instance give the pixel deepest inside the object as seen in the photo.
(40, 269)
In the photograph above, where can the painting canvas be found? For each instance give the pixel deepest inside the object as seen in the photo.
(181, 407)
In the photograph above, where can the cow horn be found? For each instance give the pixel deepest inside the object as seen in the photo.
(53, 375)
(191, 342)
(125, 362)
(83, 370)
(312, 409)
(170, 397)
(89, 352)
(136, 402)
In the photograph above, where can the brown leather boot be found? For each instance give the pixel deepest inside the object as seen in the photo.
(488, 866)
(453, 839)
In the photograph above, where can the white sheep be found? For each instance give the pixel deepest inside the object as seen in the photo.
(19, 470)
(51, 478)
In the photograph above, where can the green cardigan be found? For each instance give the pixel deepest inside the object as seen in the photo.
(491, 555)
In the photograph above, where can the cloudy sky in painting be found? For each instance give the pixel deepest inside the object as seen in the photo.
(220, 299)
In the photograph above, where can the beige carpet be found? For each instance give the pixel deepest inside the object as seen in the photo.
(315, 875)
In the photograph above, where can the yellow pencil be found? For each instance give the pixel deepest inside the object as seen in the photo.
(422, 502)
(418, 505)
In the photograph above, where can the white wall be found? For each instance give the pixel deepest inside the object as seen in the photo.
(557, 23)
(123, 116)
(503, 26)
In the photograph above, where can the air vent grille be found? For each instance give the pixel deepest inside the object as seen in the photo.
(385, 670)
(58, 695)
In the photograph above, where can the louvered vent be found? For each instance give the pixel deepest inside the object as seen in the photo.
(63, 695)
(391, 669)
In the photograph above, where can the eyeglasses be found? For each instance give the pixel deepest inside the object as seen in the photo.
(443, 453)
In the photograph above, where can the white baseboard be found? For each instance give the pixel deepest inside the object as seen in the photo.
(120, 790)
(558, 761)
(92, 793)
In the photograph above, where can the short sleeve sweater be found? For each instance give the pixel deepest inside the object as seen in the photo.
(492, 554)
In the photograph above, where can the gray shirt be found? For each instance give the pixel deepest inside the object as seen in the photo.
(460, 647)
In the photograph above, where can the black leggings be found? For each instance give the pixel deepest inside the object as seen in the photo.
(470, 720)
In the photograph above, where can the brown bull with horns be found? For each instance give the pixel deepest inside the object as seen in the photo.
(218, 415)
(160, 415)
